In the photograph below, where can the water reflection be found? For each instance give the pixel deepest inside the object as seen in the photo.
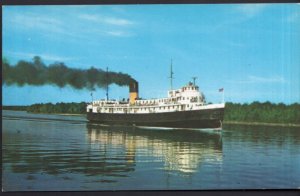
(180, 150)
(56, 148)
(263, 135)
(69, 154)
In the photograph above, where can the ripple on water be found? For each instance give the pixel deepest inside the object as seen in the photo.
(59, 155)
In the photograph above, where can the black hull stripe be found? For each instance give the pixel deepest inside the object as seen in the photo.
(210, 118)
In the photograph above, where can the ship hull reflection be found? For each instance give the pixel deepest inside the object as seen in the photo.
(180, 150)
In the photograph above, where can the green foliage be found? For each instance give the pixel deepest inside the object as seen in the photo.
(6, 71)
(263, 112)
(16, 108)
(66, 108)
(255, 112)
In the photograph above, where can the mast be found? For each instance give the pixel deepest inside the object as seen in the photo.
(223, 98)
(171, 75)
(106, 83)
(194, 80)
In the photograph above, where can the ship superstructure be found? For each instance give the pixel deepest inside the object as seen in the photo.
(182, 108)
(186, 98)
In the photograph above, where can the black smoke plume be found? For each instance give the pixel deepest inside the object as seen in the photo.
(37, 73)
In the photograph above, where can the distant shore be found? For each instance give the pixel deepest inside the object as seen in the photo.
(224, 122)
(66, 114)
(61, 114)
(260, 123)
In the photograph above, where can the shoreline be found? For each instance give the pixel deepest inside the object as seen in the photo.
(224, 122)
(61, 114)
(260, 123)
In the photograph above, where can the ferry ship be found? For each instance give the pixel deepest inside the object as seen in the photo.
(183, 108)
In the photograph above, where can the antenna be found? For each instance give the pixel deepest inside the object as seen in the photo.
(92, 98)
(106, 83)
(171, 74)
(194, 80)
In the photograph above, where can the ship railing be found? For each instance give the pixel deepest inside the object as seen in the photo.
(146, 104)
(126, 105)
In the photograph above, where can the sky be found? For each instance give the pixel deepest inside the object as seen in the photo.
(250, 50)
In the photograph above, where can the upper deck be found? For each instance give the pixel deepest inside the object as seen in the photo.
(186, 98)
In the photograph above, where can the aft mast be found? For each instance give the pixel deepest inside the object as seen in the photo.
(171, 75)
(106, 83)
(194, 80)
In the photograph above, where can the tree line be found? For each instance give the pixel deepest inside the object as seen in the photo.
(266, 112)
(58, 108)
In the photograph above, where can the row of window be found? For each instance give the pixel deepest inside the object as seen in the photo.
(139, 109)
(190, 88)
(167, 100)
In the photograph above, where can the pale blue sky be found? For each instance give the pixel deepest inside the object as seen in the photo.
(252, 50)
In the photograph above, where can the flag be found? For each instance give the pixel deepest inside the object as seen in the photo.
(221, 89)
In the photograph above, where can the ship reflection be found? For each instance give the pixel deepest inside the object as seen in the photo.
(180, 150)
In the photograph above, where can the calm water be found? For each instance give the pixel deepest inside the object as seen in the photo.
(52, 152)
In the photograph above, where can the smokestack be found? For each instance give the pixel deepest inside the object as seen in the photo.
(133, 91)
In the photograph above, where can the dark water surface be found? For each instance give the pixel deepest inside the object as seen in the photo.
(55, 153)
